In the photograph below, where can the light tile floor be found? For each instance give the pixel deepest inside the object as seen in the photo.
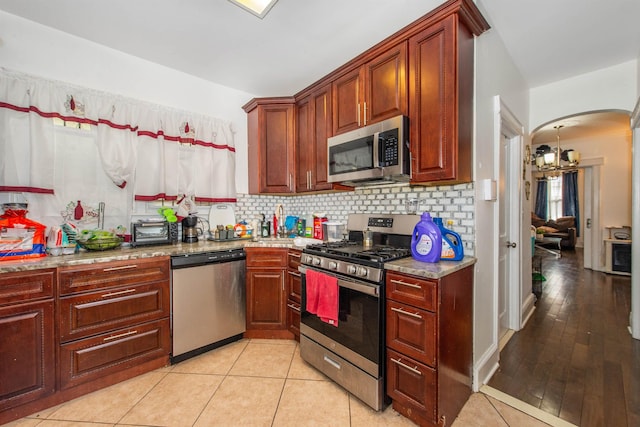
(246, 383)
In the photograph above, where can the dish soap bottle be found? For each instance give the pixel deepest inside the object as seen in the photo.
(426, 241)
(452, 249)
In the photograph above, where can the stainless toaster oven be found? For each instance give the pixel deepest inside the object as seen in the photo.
(153, 232)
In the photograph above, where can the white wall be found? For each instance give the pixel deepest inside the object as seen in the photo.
(609, 88)
(496, 74)
(41, 51)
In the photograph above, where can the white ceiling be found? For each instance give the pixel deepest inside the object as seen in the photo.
(300, 41)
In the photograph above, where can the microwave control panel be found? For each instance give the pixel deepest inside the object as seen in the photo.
(389, 148)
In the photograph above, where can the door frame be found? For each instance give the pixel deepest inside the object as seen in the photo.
(634, 316)
(506, 123)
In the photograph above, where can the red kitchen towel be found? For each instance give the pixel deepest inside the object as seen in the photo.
(327, 309)
(311, 282)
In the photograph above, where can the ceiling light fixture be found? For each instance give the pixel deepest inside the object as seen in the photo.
(257, 7)
(549, 160)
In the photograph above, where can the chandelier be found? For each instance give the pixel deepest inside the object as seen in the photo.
(554, 161)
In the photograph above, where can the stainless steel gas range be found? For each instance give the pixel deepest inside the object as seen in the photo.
(350, 349)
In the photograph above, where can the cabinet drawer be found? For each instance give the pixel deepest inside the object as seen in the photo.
(86, 360)
(118, 273)
(413, 385)
(412, 331)
(23, 286)
(293, 258)
(96, 312)
(293, 318)
(294, 285)
(266, 257)
(420, 293)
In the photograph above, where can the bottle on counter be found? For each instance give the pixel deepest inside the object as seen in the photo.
(426, 240)
(78, 212)
(452, 249)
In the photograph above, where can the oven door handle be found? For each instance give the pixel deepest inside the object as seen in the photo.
(358, 287)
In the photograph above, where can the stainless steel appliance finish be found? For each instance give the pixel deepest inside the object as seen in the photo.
(353, 352)
(208, 301)
(153, 232)
(372, 154)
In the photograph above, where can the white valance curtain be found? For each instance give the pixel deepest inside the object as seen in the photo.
(163, 153)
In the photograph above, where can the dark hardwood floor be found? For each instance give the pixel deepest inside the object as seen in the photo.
(575, 358)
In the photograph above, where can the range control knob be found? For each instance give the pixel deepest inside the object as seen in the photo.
(351, 269)
(333, 265)
(362, 272)
(308, 259)
(316, 261)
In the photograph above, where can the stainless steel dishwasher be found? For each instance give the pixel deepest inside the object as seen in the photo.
(208, 301)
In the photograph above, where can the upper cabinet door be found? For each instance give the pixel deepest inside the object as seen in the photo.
(373, 92)
(347, 98)
(386, 85)
(440, 104)
(271, 138)
(313, 127)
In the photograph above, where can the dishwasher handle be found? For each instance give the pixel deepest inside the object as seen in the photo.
(205, 258)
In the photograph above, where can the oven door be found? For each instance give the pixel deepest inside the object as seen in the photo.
(358, 336)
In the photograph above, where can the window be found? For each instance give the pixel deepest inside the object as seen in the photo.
(554, 205)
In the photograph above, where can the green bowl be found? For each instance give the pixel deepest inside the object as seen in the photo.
(101, 244)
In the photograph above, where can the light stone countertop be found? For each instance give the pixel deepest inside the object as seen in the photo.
(427, 269)
(404, 265)
(126, 253)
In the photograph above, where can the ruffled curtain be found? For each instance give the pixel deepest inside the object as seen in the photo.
(166, 153)
(26, 138)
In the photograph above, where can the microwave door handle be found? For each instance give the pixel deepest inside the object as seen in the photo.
(377, 147)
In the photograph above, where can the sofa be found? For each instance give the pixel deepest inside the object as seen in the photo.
(563, 227)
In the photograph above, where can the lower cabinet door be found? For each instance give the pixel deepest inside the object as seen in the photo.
(87, 359)
(413, 386)
(27, 353)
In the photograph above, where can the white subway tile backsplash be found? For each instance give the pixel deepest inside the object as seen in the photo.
(448, 202)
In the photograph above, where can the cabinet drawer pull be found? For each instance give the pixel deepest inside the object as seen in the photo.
(293, 307)
(126, 334)
(113, 294)
(124, 267)
(414, 370)
(293, 273)
(411, 285)
(399, 310)
(295, 255)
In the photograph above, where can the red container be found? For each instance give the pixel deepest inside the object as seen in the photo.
(318, 231)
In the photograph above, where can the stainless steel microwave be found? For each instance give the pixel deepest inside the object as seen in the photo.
(376, 153)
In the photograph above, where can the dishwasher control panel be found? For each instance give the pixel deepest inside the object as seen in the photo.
(202, 258)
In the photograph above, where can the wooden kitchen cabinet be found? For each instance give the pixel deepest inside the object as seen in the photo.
(27, 347)
(294, 292)
(372, 92)
(113, 317)
(271, 139)
(266, 293)
(429, 338)
(441, 100)
(313, 127)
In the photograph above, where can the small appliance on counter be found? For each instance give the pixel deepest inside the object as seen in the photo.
(190, 229)
(153, 232)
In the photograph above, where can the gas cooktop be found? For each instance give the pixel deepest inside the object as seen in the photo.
(354, 251)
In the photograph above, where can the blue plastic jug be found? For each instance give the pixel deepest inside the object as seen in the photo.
(426, 241)
(452, 249)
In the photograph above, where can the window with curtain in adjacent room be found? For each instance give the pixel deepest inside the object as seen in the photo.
(554, 204)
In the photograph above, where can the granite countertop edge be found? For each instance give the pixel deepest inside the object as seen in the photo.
(127, 253)
(428, 270)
